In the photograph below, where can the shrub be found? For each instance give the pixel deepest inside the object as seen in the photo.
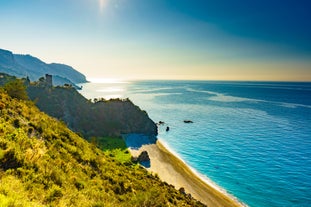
(16, 123)
(16, 89)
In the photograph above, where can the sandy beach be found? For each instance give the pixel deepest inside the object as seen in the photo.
(174, 171)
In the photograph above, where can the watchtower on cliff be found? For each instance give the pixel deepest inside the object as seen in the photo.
(49, 80)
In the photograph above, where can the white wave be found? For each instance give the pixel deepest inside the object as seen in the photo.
(154, 90)
(224, 98)
(292, 105)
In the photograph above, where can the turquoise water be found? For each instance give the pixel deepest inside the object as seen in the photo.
(251, 138)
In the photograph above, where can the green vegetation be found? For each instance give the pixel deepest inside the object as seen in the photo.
(109, 143)
(114, 147)
(43, 163)
(16, 89)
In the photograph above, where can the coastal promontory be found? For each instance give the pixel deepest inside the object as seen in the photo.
(90, 118)
(43, 163)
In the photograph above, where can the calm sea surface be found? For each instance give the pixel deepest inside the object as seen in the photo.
(251, 138)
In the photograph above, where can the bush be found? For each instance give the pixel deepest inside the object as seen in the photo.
(16, 89)
(16, 123)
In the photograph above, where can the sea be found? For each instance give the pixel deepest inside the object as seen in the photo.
(253, 139)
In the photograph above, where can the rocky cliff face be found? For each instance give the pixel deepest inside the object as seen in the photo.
(34, 68)
(123, 117)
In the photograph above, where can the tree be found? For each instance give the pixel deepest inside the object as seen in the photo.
(16, 89)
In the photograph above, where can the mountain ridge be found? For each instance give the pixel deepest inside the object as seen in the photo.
(29, 66)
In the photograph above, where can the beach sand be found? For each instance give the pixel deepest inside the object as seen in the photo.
(174, 171)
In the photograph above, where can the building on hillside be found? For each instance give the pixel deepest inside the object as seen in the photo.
(49, 80)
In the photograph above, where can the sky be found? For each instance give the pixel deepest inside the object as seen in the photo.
(165, 39)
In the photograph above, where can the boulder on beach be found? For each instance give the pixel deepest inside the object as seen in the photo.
(143, 157)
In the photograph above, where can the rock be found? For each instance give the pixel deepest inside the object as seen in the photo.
(188, 121)
(143, 157)
(161, 122)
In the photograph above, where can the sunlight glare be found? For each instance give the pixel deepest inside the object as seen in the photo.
(102, 4)
(106, 80)
(111, 89)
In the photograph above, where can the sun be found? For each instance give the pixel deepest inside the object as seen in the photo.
(102, 4)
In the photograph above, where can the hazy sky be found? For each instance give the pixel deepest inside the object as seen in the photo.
(165, 39)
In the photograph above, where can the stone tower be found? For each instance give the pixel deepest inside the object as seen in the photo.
(48, 79)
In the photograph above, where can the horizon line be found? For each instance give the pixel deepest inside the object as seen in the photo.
(126, 80)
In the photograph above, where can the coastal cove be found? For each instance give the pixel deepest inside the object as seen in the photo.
(174, 171)
(250, 138)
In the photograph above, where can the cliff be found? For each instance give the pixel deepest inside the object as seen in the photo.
(43, 163)
(102, 118)
(27, 65)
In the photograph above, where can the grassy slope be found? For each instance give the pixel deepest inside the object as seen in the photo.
(43, 163)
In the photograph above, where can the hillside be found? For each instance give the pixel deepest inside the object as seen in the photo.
(27, 65)
(100, 118)
(43, 163)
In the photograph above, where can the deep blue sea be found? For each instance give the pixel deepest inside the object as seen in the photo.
(251, 138)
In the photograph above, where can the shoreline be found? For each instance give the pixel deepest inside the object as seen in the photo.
(173, 170)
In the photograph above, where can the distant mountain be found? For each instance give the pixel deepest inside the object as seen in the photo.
(34, 68)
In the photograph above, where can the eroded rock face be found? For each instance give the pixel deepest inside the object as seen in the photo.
(127, 117)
